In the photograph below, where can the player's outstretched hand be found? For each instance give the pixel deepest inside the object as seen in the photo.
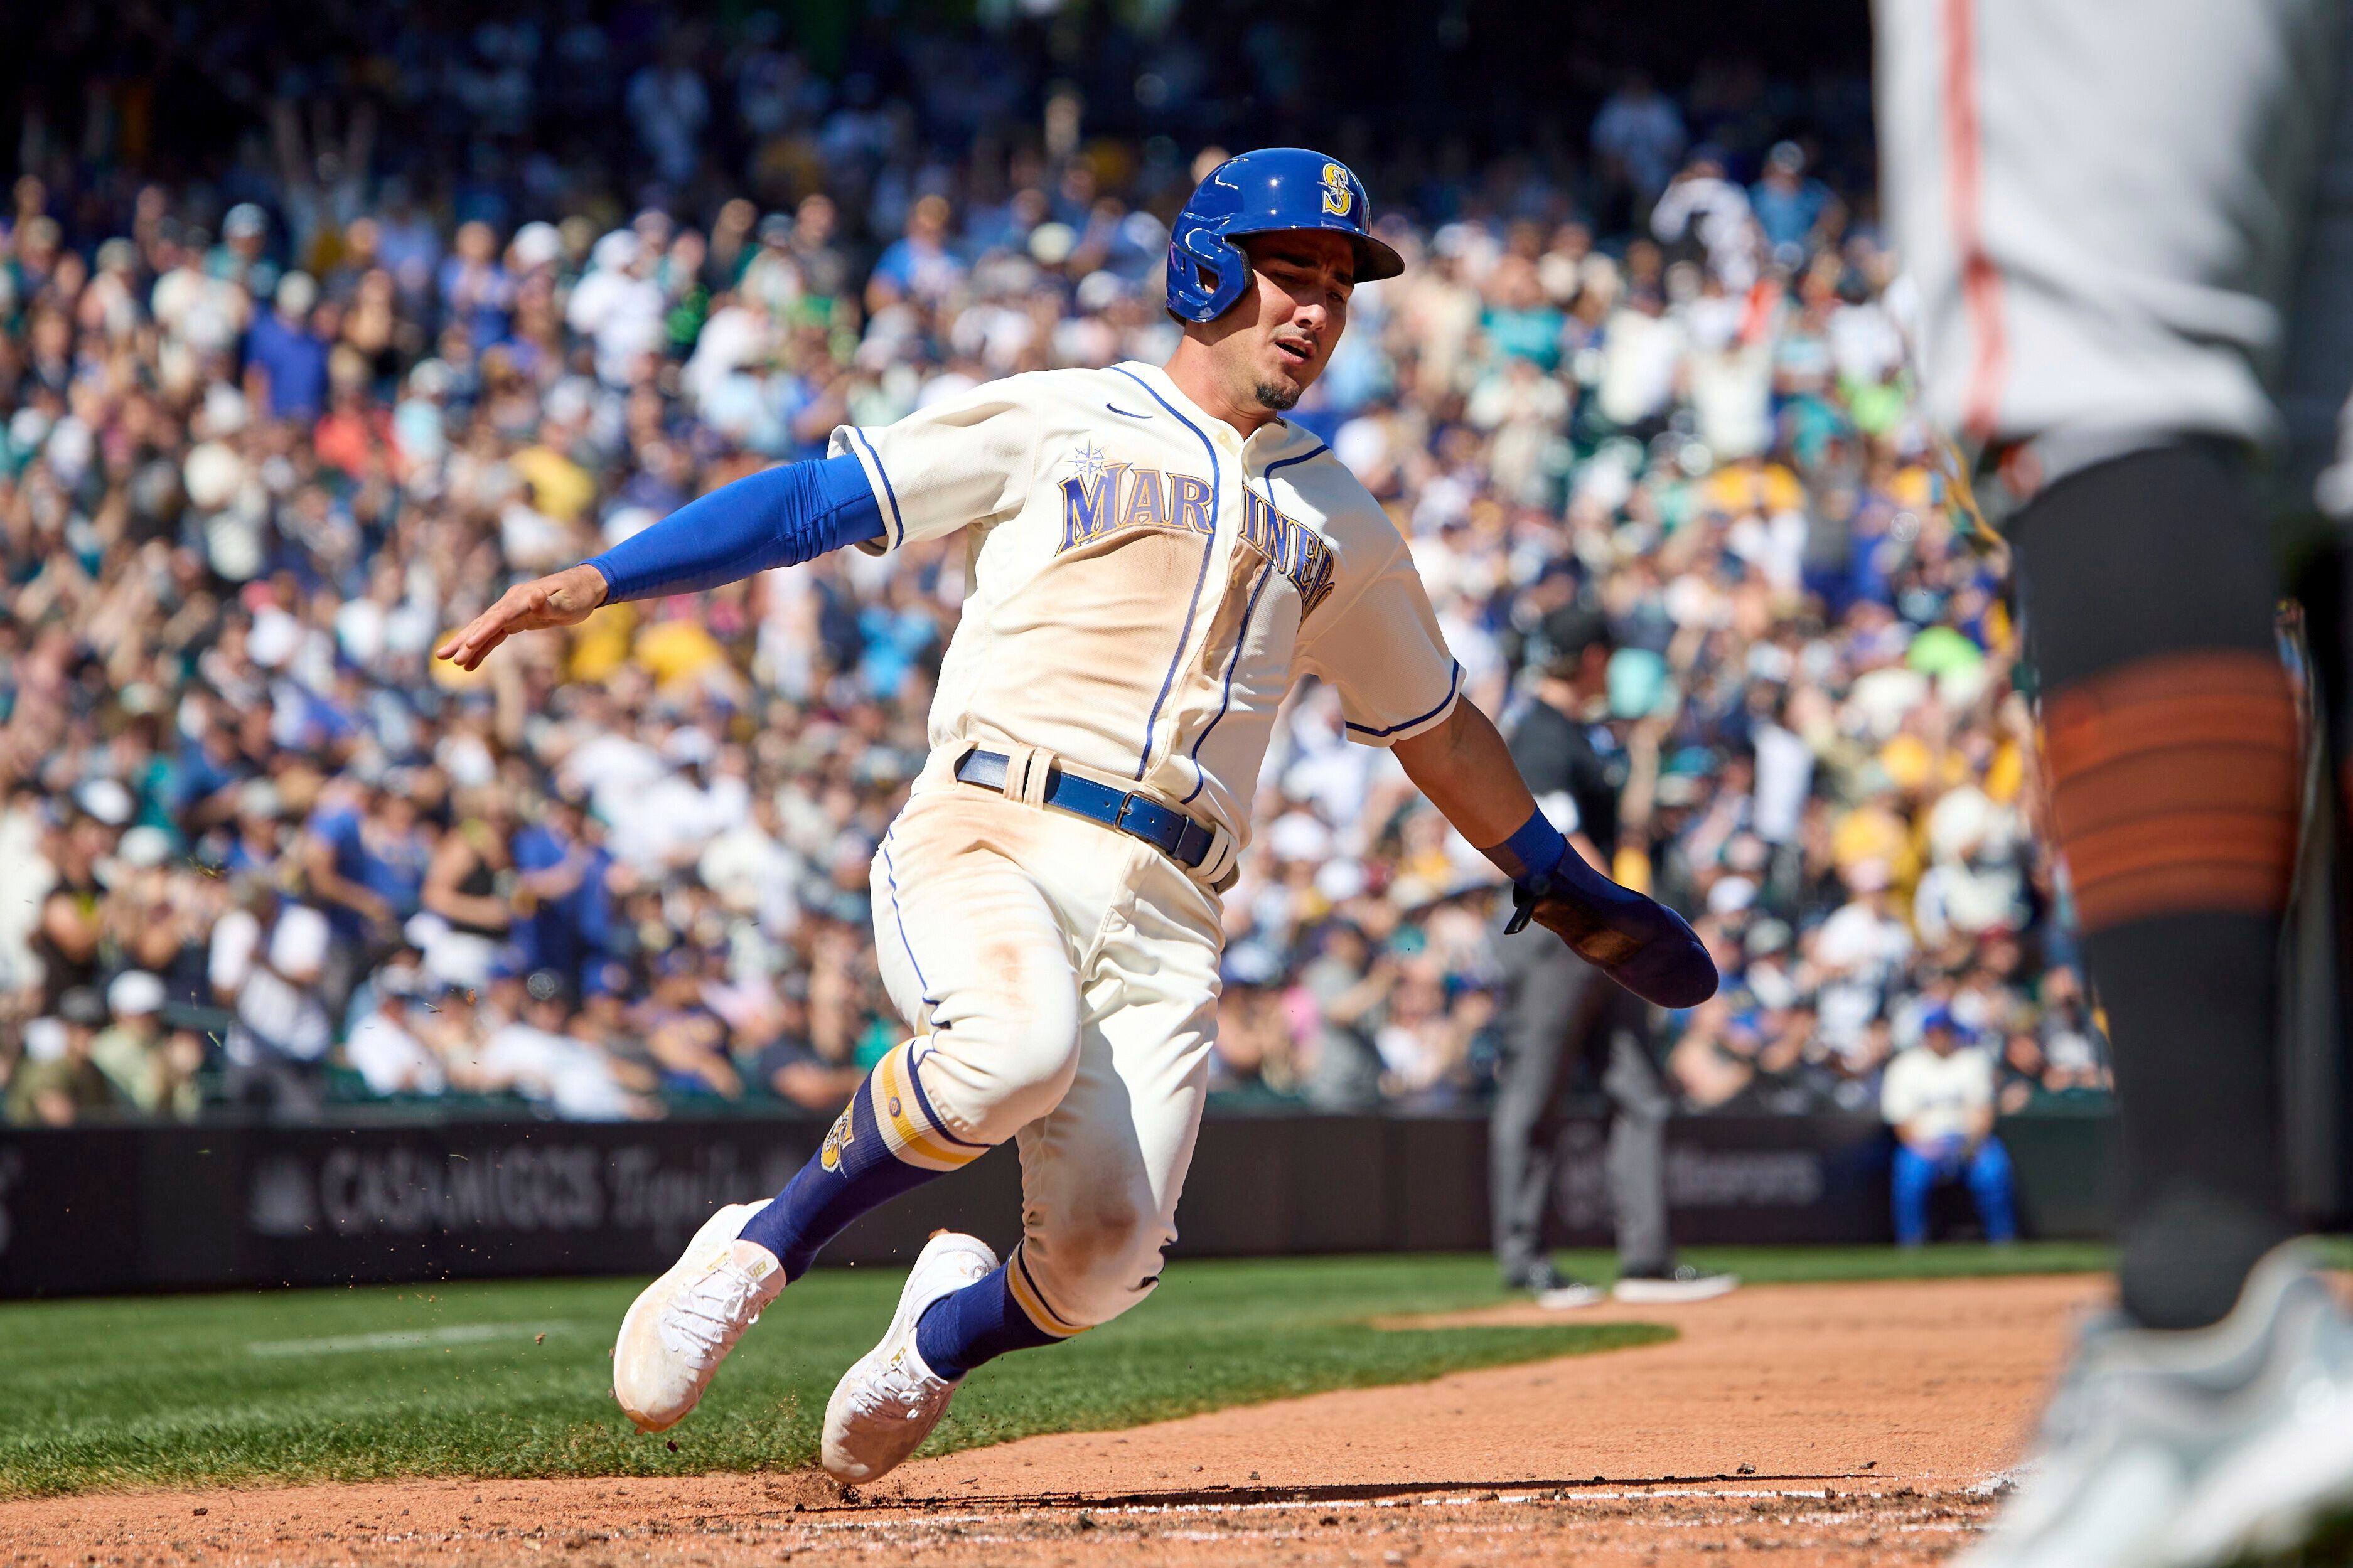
(562, 600)
(1636, 940)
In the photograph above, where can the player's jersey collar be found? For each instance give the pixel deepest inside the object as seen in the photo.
(1265, 444)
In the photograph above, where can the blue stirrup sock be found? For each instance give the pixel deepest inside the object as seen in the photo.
(967, 1328)
(888, 1141)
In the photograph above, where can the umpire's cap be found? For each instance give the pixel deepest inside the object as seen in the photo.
(1265, 192)
(1564, 634)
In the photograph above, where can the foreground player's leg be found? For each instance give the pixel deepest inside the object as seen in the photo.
(2102, 259)
(2205, 1419)
(2172, 743)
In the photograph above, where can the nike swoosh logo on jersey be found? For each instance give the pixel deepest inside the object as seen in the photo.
(1115, 408)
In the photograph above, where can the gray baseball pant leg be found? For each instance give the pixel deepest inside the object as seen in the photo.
(1639, 1106)
(1546, 986)
(1558, 1010)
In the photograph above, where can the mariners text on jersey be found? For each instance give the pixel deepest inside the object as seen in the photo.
(1145, 585)
(1101, 495)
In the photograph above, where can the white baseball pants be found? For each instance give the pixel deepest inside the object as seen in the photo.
(1063, 980)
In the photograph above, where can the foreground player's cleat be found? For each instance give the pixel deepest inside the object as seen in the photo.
(1676, 1287)
(888, 1401)
(2191, 1449)
(682, 1325)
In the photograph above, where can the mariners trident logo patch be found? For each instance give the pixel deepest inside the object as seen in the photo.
(842, 1133)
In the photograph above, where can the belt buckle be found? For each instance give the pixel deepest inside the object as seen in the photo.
(1144, 812)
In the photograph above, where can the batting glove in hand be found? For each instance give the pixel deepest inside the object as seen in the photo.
(1636, 940)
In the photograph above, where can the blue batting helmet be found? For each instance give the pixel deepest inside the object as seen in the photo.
(1264, 192)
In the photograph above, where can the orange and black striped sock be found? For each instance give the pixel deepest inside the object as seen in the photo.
(2170, 737)
(2174, 786)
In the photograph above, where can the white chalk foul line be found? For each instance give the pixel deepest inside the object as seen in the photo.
(409, 1340)
(1453, 1500)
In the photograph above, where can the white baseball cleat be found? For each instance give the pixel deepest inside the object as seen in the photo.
(888, 1401)
(1556, 1291)
(682, 1325)
(2196, 1449)
(1569, 1296)
(1678, 1286)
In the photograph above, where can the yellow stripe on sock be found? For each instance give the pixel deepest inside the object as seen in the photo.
(903, 1125)
(1032, 1304)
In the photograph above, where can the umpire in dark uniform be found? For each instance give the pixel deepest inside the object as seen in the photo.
(1564, 1020)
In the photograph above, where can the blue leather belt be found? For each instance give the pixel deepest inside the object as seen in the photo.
(1172, 833)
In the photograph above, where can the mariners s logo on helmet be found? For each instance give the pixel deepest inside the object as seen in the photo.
(1337, 197)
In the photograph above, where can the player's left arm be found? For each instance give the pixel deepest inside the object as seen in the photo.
(1463, 766)
(1379, 644)
(1465, 769)
(1383, 648)
(778, 516)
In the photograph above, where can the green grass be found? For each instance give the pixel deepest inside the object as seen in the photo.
(299, 1385)
(1804, 1265)
(1808, 1265)
(171, 1391)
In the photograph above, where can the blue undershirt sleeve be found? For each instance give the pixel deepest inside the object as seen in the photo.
(779, 517)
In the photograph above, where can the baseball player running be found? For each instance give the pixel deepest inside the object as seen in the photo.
(1156, 558)
(2128, 223)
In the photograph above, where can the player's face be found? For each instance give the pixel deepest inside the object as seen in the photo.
(1292, 318)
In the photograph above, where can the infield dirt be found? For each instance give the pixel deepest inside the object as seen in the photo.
(1837, 1424)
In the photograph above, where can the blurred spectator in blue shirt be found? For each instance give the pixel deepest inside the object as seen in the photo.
(1787, 203)
(918, 266)
(344, 877)
(285, 360)
(475, 288)
(563, 876)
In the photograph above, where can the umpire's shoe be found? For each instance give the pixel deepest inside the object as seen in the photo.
(2191, 1449)
(683, 1324)
(1678, 1286)
(888, 1401)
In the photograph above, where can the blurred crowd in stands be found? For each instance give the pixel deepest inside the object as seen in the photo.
(468, 306)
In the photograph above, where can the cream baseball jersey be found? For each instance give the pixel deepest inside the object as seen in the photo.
(1145, 584)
